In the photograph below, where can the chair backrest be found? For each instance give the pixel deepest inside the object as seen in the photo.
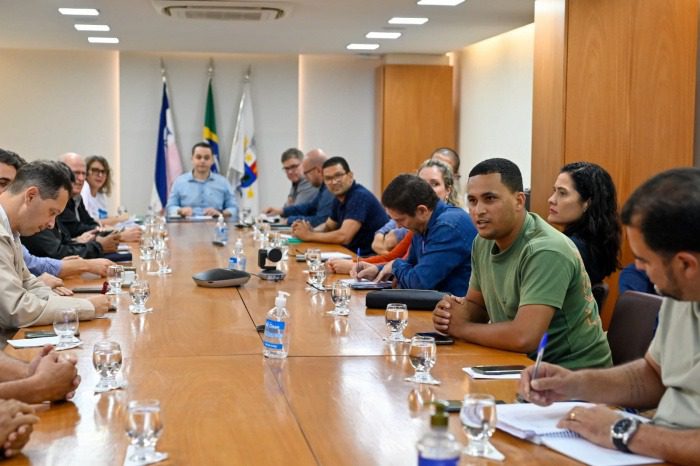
(600, 294)
(632, 325)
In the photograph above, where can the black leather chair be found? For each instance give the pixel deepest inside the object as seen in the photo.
(600, 294)
(632, 325)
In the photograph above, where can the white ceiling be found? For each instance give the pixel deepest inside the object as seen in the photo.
(313, 27)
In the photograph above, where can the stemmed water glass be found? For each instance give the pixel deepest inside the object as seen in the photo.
(65, 324)
(396, 320)
(139, 292)
(115, 276)
(423, 355)
(147, 247)
(317, 276)
(144, 426)
(478, 416)
(340, 293)
(107, 360)
(163, 259)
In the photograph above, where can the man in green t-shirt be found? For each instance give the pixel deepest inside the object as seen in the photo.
(527, 279)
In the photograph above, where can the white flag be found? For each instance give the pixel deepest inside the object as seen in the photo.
(168, 163)
(242, 170)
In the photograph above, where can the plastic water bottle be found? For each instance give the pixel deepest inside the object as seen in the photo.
(438, 447)
(237, 261)
(276, 336)
(221, 231)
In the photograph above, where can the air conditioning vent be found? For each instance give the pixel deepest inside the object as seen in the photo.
(223, 10)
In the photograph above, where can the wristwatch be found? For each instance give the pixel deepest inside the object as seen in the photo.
(622, 432)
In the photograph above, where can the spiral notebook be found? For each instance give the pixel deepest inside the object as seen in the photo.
(539, 425)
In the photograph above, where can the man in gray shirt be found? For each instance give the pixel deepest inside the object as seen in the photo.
(302, 191)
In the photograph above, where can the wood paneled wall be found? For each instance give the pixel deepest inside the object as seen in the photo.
(416, 115)
(624, 73)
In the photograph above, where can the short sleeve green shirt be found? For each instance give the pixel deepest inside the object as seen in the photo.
(543, 267)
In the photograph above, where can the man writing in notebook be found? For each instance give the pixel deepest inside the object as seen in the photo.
(527, 278)
(662, 221)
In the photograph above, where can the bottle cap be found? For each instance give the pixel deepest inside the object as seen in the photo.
(440, 419)
(281, 299)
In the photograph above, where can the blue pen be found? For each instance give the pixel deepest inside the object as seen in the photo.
(357, 261)
(540, 352)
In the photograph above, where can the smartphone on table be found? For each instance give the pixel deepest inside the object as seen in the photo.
(440, 339)
(499, 370)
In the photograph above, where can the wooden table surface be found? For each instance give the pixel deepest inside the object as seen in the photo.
(339, 399)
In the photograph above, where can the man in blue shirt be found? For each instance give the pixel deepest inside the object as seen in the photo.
(356, 212)
(320, 207)
(201, 192)
(440, 254)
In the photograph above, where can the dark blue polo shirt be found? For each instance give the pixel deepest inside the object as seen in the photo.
(362, 206)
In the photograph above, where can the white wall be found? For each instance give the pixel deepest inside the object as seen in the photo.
(496, 100)
(274, 88)
(59, 101)
(337, 110)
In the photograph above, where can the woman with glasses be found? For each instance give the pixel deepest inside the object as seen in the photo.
(97, 187)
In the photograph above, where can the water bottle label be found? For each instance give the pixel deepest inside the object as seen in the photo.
(232, 263)
(274, 325)
(422, 461)
(273, 346)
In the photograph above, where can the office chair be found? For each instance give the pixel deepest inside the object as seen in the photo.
(632, 325)
(600, 294)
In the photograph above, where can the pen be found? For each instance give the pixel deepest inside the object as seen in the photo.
(357, 261)
(540, 352)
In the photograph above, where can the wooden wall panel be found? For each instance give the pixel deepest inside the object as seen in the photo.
(628, 93)
(417, 116)
(548, 103)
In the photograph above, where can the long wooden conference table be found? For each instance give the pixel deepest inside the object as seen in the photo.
(339, 398)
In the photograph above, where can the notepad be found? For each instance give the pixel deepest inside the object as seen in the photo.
(539, 425)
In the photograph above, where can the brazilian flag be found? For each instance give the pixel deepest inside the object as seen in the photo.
(209, 130)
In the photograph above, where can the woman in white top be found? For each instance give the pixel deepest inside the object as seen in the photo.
(96, 189)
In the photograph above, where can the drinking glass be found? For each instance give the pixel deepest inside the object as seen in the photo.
(317, 275)
(396, 320)
(65, 324)
(478, 416)
(312, 256)
(163, 259)
(139, 292)
(423, 355)
(340, 293)
(143, 426)
(257, 227)
(107, 360)
(147, 247)
(115, 276)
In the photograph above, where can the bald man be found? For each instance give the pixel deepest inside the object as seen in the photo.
(319, 208)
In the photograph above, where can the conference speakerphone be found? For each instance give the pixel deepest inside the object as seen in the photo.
(221, 278)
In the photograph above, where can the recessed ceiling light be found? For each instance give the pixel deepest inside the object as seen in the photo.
(79, 11)
(362, 46)
(440, 2)
(103, 40)
(92, 27)
(399, 20)
(383, 35)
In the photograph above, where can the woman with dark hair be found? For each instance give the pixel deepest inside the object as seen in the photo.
(584, 206)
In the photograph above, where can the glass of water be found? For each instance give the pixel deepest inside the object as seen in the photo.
(312, 256)
(107, 360)
(423, 355)
(144, 426)
(163, 259)
(340, 293)
(115, 276)
(478, 416)
(65, 324)
(317, 275)
(139, 292)
(396, 320)
(147, 247)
